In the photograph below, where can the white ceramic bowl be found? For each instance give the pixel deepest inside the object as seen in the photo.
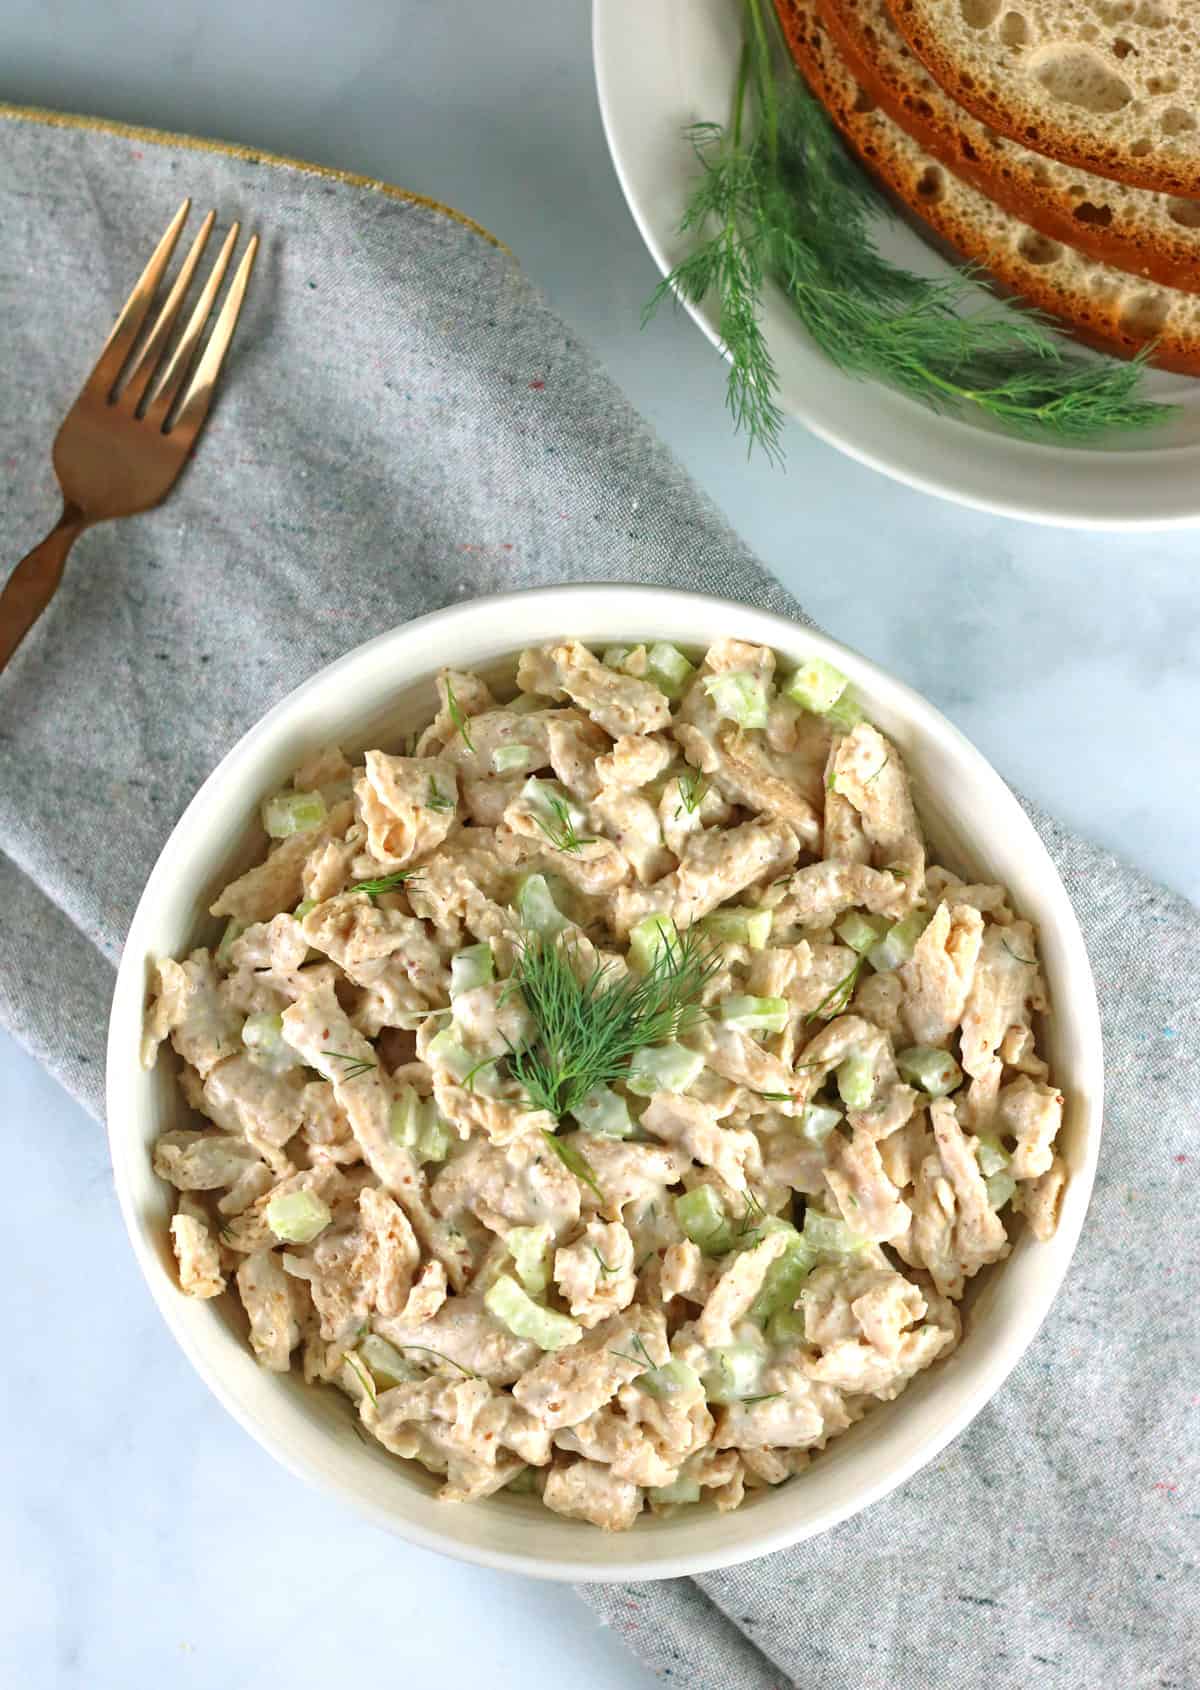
(371, 697)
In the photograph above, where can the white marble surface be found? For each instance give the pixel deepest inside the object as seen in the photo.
(146, 1538)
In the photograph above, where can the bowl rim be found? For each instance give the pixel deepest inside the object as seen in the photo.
(128, 1008)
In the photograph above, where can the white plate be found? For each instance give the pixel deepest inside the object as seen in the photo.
(662, 64)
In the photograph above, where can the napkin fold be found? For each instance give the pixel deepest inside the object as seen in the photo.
(404, 424)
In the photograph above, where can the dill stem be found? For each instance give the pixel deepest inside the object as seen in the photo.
(739, 96)
(764, 81)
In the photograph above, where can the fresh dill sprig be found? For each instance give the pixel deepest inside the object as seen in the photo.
(559, 828)
(468, 1080)
(355, 1065)
(765, 1396)
(778, 1096)
(835, 1001)
(425, 1349)
(604, 1267)
(692, 788)
(887, 757)
(458, 718)
(384, 883)
(358, 1368)
(788, 204)
(437, 799)
(645, 1359)
(1027, 960)
(589, 1028)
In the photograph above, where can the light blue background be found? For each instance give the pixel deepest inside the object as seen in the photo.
(146, 1539)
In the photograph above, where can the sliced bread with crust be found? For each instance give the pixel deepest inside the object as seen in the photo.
(1104, 306)
(1112, 86)
(1149, 234)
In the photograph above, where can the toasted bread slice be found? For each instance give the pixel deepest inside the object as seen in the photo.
(1111, 86)
(1152, 235)
(1102, 305)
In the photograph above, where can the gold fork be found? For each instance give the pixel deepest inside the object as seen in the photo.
(115, 453)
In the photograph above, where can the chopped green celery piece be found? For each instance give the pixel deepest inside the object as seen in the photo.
(262, 1035)
(526, 704)
(470, 968)
(617, 656)
(524, 1318)
(507, 758)
(529, 1247)
(536, 907)
(292, 812)
(414, 1122)
(233, 930)
(446, 1050)
(856, 1081)
(830, 1237)
(734, 1372)
(847, 713)
(783, 1280)
(669, 1067)
(786, 1328)
(739, 926)
(702, 1218)
(991, 1155)
(302, 908)
(817, 1122)
(673, 1379)
(296, 1217)
(522, 1483)
(860, 932)
(668, 668)
(387, 1366)
(816, 685)
(899, 942)
(679, 1490)
(1000, 1188)
(739, 698)
(935, 1071)
(648, 939)
(751, 1015)
(604, 1112)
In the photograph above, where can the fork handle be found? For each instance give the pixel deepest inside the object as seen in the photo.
(34, 582)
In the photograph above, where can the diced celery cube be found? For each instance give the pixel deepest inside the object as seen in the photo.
(786, 1328)
(617, 656)
(991, 1155)
(551, 803)
(471, 968)
(296, 1217)
(734, 1372)
(739, 698)
(674, 1379)
(302, 908)
(434, 1143)
(648, 939)
(783, 1280)
(899, 942)
(605, 1112)
(847, 713)
(414, 1122)
(292, 812)
(817, 685)
(536, 908)
(529, 1247)
(817, 1122)
(1000, 1188)
(233, 930)
(752, 1015)
(702, 1218)
(680, 1490)
(524, 1318)
(830, 1237)
(669, 1067)
(668, 668)
(856, 1081)
(387, 1366)
(262, 1035)
(737, 926)
(860, 932)
(522, 1483)
(935, 1071)
(506, 759)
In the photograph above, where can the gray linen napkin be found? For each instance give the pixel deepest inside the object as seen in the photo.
(405, 424)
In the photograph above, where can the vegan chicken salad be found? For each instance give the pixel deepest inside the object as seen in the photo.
(606, 1092)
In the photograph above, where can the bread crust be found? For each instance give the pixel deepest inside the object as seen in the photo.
(1023, 113)
(1101, 305)
(1130, 228)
